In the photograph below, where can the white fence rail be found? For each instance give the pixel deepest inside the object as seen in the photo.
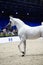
(9, 39)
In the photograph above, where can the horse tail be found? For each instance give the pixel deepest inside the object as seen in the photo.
(41, 23)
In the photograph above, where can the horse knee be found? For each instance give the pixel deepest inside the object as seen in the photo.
(18, 46)
(42, 35)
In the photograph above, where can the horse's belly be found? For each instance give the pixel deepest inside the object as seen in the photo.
(33, 35)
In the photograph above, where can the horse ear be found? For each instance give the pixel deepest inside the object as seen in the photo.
(42, 23)
(10, 16)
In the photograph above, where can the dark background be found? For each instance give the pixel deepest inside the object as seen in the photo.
(30, 11)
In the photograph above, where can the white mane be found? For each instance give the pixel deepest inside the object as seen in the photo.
(19, 21)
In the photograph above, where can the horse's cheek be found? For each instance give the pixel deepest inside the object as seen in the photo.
(19, 33)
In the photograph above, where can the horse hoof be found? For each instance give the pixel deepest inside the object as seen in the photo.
(23, 55)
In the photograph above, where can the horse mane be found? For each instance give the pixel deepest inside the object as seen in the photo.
(20, 21)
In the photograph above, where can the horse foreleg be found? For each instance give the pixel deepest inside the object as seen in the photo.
(24, 47)
(19, 47)
(23, 52)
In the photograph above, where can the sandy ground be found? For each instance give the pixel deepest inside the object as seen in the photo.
(10, 55)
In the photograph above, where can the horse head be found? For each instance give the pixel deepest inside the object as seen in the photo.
(12, 21)
(16, 22)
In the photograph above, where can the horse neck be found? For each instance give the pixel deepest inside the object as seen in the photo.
(19, 24)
